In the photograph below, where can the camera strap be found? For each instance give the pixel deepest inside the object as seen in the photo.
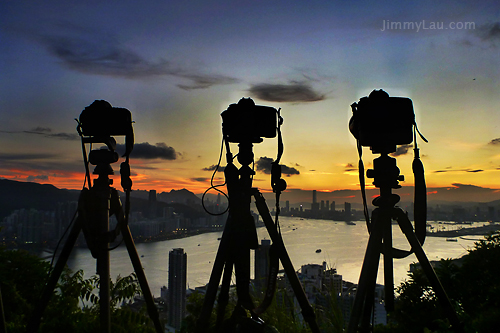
(420, 196)
(361, 171)
(278, 184)
(84, 151)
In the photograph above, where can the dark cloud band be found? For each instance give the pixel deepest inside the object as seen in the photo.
(264, 165)
(495, 142)
(91, 52)
(213, 167)
(293, 92)
(148, 151)
(47, 133)
(402, 150)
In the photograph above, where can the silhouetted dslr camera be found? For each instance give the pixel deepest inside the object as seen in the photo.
(101, 119)
(247, 122)
(382, 122)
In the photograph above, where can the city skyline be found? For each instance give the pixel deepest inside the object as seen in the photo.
(177, 67)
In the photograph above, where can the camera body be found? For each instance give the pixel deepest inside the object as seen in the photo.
(247, 122)
(382, 122)
(101, 119)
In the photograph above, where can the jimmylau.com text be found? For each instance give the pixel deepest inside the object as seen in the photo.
(424, 25)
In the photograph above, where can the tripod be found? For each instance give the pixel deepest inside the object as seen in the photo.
(95, 205)
(238, 238)
(386, 177)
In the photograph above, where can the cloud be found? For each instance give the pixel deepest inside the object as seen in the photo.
(200, 179)
(148, 151)
(91, 52)
(213, 167)
(458, 170)
(38, 177)
(38, 163)
(205, 81)
(264, 164)
(26, 156)
(47, 133)
(350, 167)
(489, 32)
(292, 92)
(470, 188)
(495, 142)
(401, 150)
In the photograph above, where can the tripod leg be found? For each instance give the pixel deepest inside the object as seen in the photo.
(223, 299)
(367, 278)
(3, 329)
(141, 276)
(407, 229)
(134, 258)
(241, 259)
(36, 317)
(215, 276)
(388, 265)
(307, 310)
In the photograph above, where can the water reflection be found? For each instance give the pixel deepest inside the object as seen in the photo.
(342, 246)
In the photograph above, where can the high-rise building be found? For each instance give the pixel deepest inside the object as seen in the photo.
(332, 207)
(262, 264)
(327, 205)
(152, 204)
(315, 204)
(347, 211)
(177, 277)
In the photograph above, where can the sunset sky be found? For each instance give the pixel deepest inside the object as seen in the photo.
(176, 65)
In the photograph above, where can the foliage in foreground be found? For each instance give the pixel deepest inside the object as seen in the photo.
(472, 284)
(283, 315)
(74, 306)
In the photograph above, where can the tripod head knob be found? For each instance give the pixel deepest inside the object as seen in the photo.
(385, 172)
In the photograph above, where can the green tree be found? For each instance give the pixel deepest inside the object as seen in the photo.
(74, 306)
(280, 316)
(472, 284)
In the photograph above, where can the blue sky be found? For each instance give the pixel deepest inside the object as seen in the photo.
(176, 66)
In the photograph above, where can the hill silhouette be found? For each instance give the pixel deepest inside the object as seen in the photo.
(17, 195)
(178, 196)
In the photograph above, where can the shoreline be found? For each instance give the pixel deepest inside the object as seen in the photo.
(475, 231)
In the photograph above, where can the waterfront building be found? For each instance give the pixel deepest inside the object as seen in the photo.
(177, 277)
(262, 264)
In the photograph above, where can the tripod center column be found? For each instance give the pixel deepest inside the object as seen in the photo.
(102, 192)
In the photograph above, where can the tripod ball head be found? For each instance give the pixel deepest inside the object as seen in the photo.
(385, 172)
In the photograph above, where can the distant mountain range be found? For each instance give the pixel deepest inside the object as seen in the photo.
(16, 195)
(180, 196)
